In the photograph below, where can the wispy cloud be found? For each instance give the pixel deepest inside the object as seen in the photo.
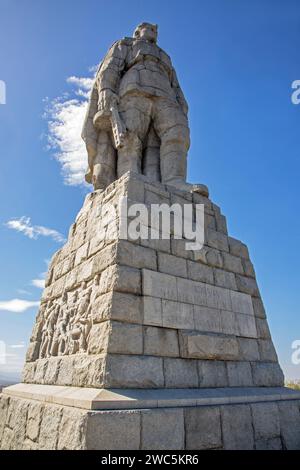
(17, 346)
(23, 225)
(17, 305)
(65, 116)
(39, 283)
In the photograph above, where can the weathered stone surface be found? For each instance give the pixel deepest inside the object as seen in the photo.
(208, 346)
(19, 427)
(12, 416)
(289, 416)
(267, 375)
(121, 279)
(159, 285)
(207, 319)
(117, 306)
(225, 279)
(156, 426)
(203, 428)
(152, 311)
(247, 285)
(267, 350)
(40, 371)
(171, 264)
(125, 339)
(104, 258)
(87, 371)
(212, 374)
(72, 429)
(203, 294)
(232, 263)
(28, 372)
(238, 248)
(4, 404)
(229, 325)
(268, 444)
(221, 223)
(49, 430)
(33, 351)
(200, 272)
(96, 372)
(237, 428)
(152, 197)
(241, 303)
(65, 373)
(52, 370)
(258, 307)
(239, 374)
(210, 222)
(217, 240)
(134, 371)
(122, 430)
(213, 257)
(265, 420)
(7, 439)
(180, 373)
(135, 256)
(160, 342)
(246, 325)
(248, 268)
(262, 328)
(178, 249)
(81, 255)
(157, 243)
(218, 297)
(34, 418)
(249, 349)
(177, 315)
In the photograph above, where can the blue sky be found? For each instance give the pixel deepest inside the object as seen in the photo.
(236, 61)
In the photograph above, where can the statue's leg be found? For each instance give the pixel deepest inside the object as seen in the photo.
(172, 127)
(104, 165)
(135, 110)
(151, 159)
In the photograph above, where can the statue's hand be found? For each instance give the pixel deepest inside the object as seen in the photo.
(106, 99)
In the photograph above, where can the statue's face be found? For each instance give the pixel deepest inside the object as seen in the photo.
(148, 32)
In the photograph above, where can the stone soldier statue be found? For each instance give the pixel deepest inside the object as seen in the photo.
(137, 115)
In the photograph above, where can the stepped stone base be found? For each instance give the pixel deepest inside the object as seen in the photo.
(140, 343)
(149, 313)
(57, 418)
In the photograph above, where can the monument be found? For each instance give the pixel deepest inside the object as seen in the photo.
(139, 342)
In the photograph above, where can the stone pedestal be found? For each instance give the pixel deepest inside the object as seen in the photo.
(182, 335)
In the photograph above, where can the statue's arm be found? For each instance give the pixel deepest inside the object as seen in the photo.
(179, 93)
(109, 75)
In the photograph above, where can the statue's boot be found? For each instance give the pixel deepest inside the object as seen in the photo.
(184, 186)
(173, 173)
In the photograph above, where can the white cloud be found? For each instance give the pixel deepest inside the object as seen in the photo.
(17, 346)
(65, 119)
(23, 224)
(17, 305)
(39, 283)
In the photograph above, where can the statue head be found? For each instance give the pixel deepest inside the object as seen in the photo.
(146, 31)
